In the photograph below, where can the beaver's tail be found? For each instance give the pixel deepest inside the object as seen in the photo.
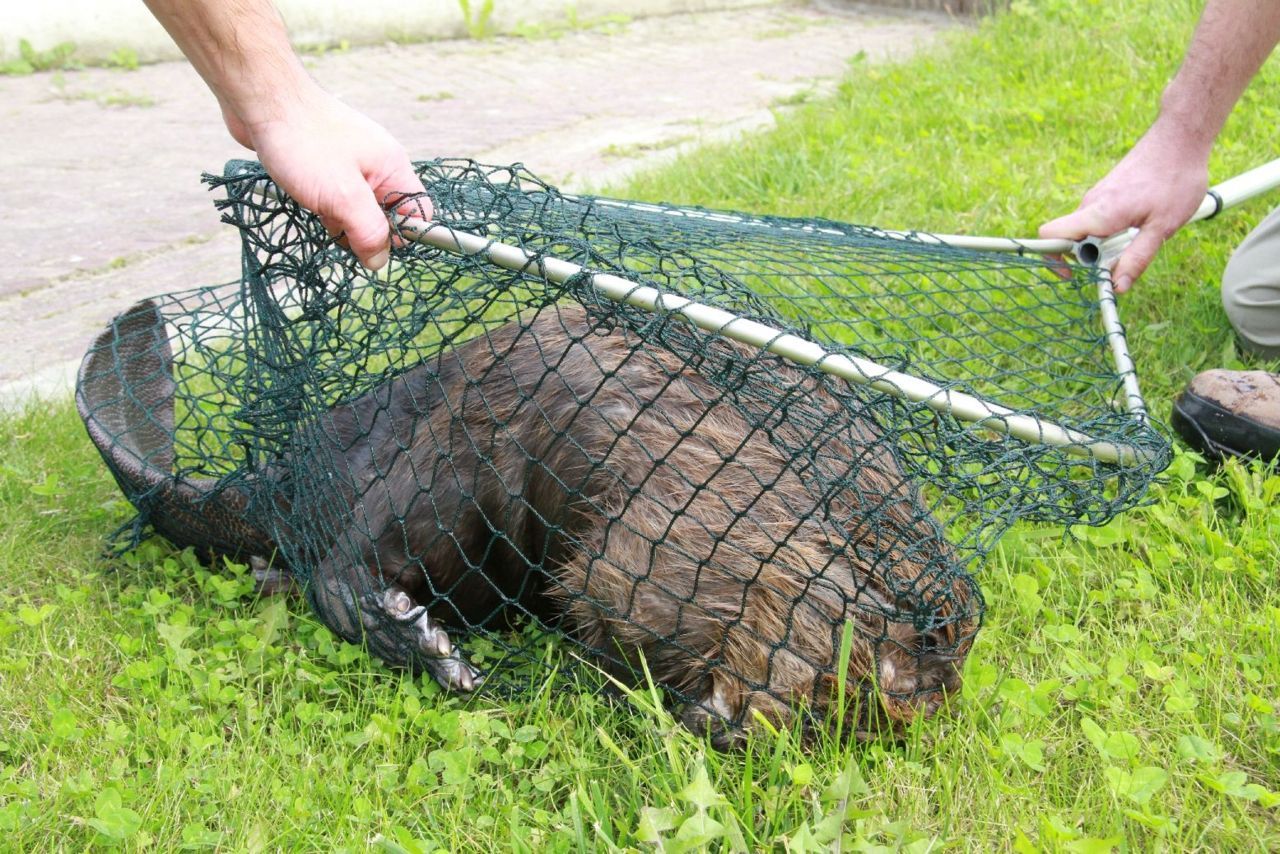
(125, 394)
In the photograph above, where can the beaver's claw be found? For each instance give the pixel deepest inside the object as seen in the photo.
(425, 643)
(455, 674)
(396, 603)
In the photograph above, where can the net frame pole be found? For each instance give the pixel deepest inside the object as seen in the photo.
(1095, 250)
(854, 369)
(1102, 252)
(1113, 329)
(1098, 252)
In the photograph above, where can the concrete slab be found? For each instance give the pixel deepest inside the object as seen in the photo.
(100, 203)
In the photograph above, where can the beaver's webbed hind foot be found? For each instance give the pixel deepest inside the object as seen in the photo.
(395, 618)
(394, 627)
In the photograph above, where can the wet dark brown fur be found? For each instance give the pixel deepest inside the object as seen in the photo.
(560, 469)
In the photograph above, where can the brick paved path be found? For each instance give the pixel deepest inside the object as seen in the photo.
(99, 196)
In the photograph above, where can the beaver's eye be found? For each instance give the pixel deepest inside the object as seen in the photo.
(934, 641)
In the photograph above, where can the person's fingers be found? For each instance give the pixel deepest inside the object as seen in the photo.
(1137, 257)
(346, 169)
(333, 228)
(412, 202)
(1064, 227)
(402, 183)
(402, 192)
(1091, 220)
(358, 215)
(417, 205)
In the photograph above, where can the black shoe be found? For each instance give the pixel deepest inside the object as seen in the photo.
(1231, 414)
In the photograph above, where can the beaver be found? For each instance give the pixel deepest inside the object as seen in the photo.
(560, 468)
(557, 467)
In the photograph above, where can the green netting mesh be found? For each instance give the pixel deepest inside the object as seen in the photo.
(452, 453)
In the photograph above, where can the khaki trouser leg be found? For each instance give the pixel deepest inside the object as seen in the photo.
(1251, 288)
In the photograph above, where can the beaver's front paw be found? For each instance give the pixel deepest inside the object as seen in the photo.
(271, 580)
(421, 642)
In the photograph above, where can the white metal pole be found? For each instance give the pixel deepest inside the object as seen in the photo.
(1094, 250)
(1103, 252)
(1099, 251)
(1241, 188)
(1090, 250)
(1033, 246)
(854, 369)
(1114, 332)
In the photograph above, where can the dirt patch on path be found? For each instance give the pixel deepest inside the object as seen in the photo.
(99, 171)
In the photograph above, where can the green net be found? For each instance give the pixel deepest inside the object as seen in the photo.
(452, 454)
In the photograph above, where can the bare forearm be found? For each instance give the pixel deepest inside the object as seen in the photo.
(1232, 40)
(242, 50)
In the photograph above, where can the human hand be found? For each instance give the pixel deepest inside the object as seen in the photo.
(1155, 188)
(337, 163)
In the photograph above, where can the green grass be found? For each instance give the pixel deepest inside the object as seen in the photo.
(1122, 693)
